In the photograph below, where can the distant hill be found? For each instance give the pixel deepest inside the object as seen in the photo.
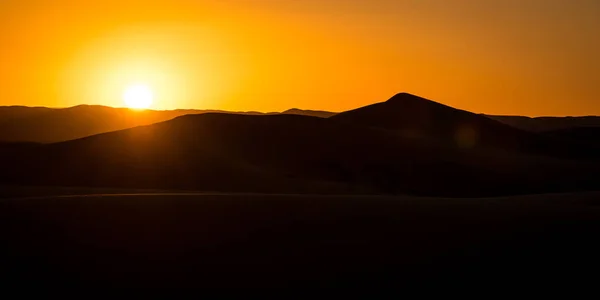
(541, 124)
(9, 113)
(283, 154)
(49, 125)
(416, 117)
(313, 113)
(407, 144)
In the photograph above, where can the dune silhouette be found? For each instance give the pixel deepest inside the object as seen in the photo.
(420, 118)
(542, 124)
(44, 125)
(215, 151)
(306, 112)
(282, 153)
(51, 125)
(10, 113)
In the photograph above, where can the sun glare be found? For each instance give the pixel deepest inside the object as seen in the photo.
(138, 96)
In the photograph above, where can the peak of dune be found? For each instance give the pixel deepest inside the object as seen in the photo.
(419, 117)
(410, 99)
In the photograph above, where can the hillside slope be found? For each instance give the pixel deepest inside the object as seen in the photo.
(542, 124)
(416, 117)
(282, 153)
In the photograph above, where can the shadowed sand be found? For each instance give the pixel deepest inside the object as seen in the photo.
(174, 240)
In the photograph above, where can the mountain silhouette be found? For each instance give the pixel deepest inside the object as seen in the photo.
(9, 113)
(419, 118)
(542, 124)
(305, 112)
(54, 125)
(51, 125)
(47, 125)
(282, 153)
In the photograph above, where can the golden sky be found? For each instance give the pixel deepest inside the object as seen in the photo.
(529, 57)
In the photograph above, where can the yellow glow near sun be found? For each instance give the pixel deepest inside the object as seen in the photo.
(138, 96)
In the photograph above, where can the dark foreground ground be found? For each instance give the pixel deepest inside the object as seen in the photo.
(186, 240)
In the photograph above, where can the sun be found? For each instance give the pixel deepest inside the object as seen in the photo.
(138, 96)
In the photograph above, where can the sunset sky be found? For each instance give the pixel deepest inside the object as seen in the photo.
(528, 57)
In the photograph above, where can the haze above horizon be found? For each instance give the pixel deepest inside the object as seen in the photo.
(504, 57)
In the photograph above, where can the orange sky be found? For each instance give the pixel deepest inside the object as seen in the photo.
(530, 57)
